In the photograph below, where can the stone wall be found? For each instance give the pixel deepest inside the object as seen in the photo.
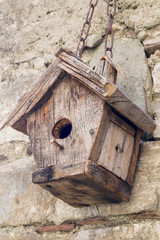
(30, 32)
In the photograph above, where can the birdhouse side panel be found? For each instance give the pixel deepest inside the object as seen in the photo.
(64, 129)
(117, 148)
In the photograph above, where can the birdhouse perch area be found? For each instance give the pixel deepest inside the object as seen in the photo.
(84, 131)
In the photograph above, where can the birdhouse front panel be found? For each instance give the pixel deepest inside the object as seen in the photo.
(64, 129)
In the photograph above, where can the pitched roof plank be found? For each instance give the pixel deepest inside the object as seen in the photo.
(82, 67)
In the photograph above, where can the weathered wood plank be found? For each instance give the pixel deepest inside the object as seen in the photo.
(81, 67)
(108, 180)
(134, 157)
(107, 70)
(151, 45)
(118, 100)
(111, 68)
(30, 99)
(103, 127)
(121, 123)
(55, 172)
(116, 151)
(82, 184)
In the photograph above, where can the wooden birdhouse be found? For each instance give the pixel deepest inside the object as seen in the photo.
(84, 132)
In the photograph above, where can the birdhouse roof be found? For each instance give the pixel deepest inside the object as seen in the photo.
(68, 63)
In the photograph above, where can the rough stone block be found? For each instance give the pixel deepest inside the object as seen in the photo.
(23, 234)
(143, 230)
(21, 201)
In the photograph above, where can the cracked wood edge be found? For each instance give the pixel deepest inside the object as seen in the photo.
(118, 100)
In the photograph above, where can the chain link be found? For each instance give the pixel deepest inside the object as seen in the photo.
(84, 33)
(110, 30)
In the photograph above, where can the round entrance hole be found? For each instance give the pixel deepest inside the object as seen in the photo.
(62, 129)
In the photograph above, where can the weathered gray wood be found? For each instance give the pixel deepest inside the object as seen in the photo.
(107, 70)
(33, 97)
(84, 109)
(134, 157)
(114, 118)
(107, 180)
(118, 100)
(103, 128)
(111, 66)
(45, 175)
(116, 151)
(82, 184)
(81, 67)
(151, 45)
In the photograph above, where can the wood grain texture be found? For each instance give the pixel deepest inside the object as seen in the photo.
(108, 91)
(110, 67)
(116, 151)
(45, 175)
(109, 181)
(134, 157)
(103, 127)
(81, 68)
(114, 118)
(89, 184)
(33, 98)
(84, 109)
(118, 100)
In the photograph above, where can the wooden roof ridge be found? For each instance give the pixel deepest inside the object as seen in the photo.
(68, 62)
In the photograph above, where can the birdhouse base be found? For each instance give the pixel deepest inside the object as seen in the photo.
(82, 184)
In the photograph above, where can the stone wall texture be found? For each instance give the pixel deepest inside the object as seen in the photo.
(30, 33)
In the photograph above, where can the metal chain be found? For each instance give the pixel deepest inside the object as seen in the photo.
(84, 34)
(110, 30)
